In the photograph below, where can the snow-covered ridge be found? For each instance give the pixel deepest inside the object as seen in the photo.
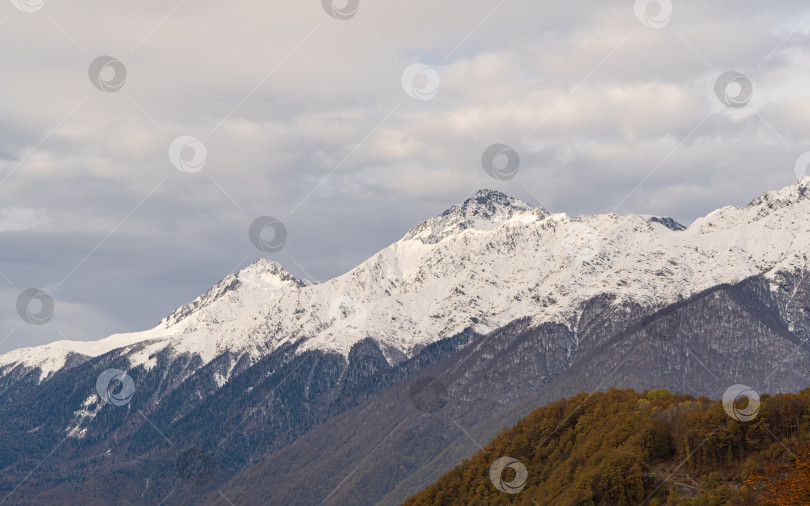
(263, 271)
(227, 308)
(481, 264)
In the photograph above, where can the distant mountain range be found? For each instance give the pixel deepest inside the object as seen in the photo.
(366, 388)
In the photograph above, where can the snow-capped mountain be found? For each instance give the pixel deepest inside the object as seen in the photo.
(494, 306)
(481, 264)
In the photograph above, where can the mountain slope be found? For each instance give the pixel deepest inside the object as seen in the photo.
(626, 448)
(725, 335)
(517, 305)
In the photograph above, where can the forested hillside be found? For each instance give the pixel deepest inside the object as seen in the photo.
(656, 448)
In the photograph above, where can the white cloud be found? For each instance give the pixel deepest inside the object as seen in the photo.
(15, 219)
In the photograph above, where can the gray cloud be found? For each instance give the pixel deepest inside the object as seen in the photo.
(304, 118)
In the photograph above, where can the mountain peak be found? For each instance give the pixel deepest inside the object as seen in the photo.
(486, 203)
(786, 196)
(264, 267)
(667, 222)
(483, 211)
(261, 274)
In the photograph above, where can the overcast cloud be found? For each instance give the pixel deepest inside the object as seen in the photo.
(304, 118)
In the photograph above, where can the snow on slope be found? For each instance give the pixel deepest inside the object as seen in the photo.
(483, 264)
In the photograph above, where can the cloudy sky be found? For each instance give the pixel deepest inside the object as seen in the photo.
(352, 125)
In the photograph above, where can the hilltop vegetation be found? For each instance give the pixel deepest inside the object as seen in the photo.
(655, 448)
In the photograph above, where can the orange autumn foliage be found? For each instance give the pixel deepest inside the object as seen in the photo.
(783, 484)
(656, 448)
